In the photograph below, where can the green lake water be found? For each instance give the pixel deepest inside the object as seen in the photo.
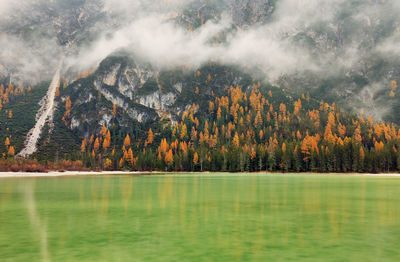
(215, 217)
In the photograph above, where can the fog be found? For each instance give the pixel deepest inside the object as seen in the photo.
(154, 36)
(164, 44)
(6, 6)
(326, 37)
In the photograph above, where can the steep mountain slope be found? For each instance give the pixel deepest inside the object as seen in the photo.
(133, 96)
(128, 115)
(23, 107)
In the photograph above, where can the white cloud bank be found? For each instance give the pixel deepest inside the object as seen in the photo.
(146, 30)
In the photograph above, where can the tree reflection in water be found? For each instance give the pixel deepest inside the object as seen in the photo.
(220, 217)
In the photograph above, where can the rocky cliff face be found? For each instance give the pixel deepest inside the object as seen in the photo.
(124, 82)
(69, 21)
(141, 94)
(249, 12)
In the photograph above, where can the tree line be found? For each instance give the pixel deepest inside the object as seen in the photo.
(253, 131)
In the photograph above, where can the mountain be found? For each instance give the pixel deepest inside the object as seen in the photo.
(128, 67)
(134, 96)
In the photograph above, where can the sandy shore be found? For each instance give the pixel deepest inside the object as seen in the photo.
(102, 173)
(67, 173)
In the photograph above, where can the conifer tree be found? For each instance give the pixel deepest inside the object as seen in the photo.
(11, 151)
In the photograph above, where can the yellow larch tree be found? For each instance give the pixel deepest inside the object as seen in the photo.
(169, 157)
(309, 145)
(328, 136)
(114, 112)
(150, 137)
(219, 112)
(196, 159)
(258, 120)
(130, 158)
(11, 151)
(83, 145)
(127, 141)
(106, 143)
(253, 154)
(68, 104)
(357, 135)
(96, 146)
(164, 147)
(7, 142)
(342, 130)
(236, 140)
(103, 130)
(107, 163)
(108, 136)
(193, 134)
(183, 133)
(362, 154)
(331, 119)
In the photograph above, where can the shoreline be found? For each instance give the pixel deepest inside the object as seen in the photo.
(105, 173)
(66, 173)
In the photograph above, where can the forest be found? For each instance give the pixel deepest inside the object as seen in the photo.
(243, 131)
(246, 132)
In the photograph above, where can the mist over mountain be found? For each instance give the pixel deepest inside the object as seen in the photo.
(299, 45)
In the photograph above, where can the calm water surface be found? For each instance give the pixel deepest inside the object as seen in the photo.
(216, 217)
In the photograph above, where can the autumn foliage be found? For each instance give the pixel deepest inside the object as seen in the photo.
(22, 165)
(252, 130)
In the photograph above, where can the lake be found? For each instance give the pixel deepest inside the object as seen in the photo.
(210, 217)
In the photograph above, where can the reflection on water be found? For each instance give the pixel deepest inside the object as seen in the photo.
(38, 225)
(126, 187)
(200, 218)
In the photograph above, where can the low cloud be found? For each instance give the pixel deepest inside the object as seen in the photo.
(158, 41)
(29, 61)
(5, 6)
(323, 36)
